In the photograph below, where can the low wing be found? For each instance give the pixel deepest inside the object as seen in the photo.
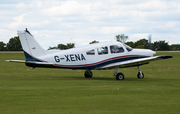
(135, 62)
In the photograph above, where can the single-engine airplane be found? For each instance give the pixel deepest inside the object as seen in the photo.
(91, 57)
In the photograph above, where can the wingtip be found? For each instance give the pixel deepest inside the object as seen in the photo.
(165, 56)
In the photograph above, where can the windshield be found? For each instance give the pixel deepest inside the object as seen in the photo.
(128, 47)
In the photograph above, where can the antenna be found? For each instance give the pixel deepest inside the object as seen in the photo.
(74, 42)
(149, 41)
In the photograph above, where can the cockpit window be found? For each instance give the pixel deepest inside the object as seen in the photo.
(116, 49)
(102, 50)
(91, 52)
(128, 47)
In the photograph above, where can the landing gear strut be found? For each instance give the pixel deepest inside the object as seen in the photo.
(140, 75)
(88, 74)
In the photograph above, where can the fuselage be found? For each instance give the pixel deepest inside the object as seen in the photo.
(94, 56)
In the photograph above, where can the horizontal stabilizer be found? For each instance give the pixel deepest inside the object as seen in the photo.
(29, 62)
(17, 61)
(39, 63)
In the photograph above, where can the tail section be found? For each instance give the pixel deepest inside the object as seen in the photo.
(30, 45)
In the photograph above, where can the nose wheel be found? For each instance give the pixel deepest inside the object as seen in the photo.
(140, 74)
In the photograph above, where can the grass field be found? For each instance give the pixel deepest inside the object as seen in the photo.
(24, 90)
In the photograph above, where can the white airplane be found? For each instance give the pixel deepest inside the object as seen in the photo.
(97, 56)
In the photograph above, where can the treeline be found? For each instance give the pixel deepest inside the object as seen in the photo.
(156, 46)
(63, 46)
(68, 45)
(15, 45)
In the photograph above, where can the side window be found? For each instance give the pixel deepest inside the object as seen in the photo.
(102, 50)
(116, 49)
(91, 52)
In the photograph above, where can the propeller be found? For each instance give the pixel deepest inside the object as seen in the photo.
(149, 41)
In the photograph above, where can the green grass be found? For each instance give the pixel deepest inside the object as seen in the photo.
(43, 91)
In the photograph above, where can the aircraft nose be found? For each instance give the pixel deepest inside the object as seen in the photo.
(146, 52)
(153, 52)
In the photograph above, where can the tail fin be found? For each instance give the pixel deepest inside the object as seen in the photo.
(30, 45)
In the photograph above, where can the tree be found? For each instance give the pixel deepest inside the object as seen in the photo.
(142, 42)
(121, 38)
(131, 44)
(2, 46)
(94, 42)
(62, 46)
(140, 47)
(175, 47)
(67, 46)
(52, 48)
(161, 46)
(14, 44)
(70, 45)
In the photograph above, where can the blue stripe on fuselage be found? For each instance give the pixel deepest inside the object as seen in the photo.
(99, 64)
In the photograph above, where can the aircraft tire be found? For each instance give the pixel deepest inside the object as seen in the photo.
(88, 74)
(120, 76)
(139, 75)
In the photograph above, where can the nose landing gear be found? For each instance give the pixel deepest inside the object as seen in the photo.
(140, 74)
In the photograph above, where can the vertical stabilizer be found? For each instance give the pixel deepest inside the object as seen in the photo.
(30, 45)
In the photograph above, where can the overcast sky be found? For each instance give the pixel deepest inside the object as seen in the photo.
(63, 21)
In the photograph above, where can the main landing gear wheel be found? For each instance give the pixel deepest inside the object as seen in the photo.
(88, 74)
(120, 76)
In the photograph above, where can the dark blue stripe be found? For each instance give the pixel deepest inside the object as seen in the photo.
(94, 66)
(28, 32)
(31, 58)
(165, 56)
